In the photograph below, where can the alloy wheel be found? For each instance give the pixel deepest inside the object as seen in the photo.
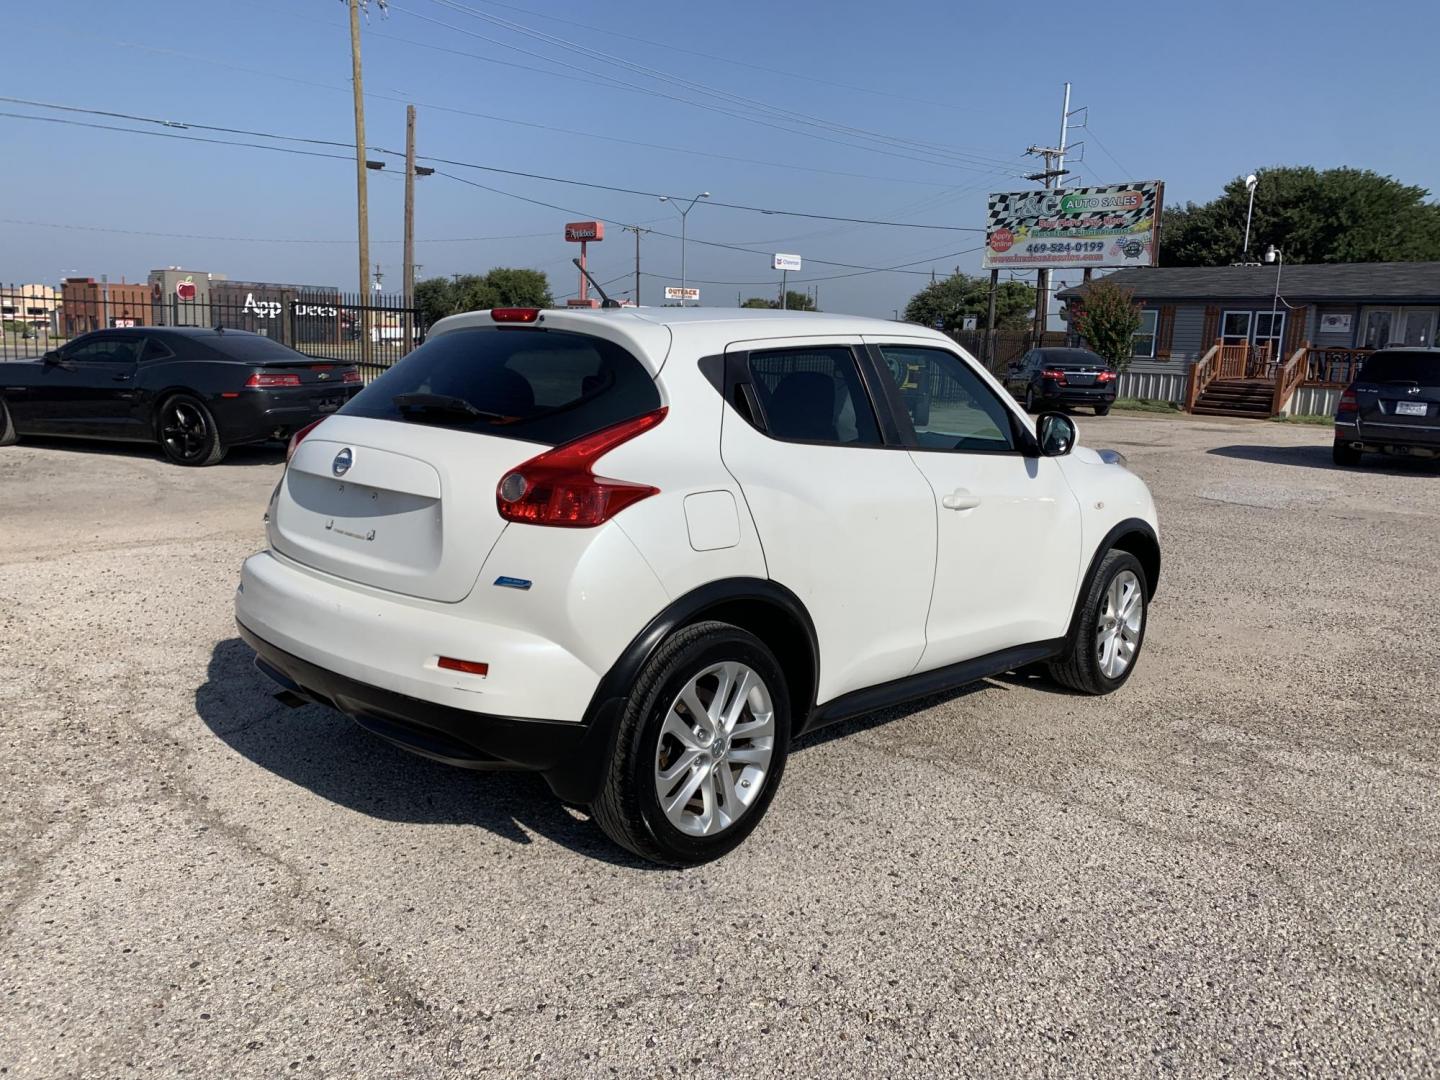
(1117, 633)
(185, 431)
(715, 748)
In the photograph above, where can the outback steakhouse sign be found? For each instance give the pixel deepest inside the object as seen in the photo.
(579, 231)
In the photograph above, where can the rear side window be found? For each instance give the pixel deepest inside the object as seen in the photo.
(813, 395)
(547, 386)
(1415, 367)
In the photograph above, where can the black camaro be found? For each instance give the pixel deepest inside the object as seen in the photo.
(197, 392)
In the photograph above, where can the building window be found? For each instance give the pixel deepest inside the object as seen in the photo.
(1269, 332)
(1145, 337)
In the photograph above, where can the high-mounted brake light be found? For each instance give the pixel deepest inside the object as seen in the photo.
(270, 378)
(515, 314)
(299, 437)
(559, 487)
(1053, 373)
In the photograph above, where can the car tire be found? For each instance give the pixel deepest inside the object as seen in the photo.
(1030, 399)
(187, 432)
(1109, 628)
(1102, 410)
(664, 748)
(1345, 454)
(7, 426)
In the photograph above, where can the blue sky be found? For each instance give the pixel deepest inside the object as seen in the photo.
(929, 105)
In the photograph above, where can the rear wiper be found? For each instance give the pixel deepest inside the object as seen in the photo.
(445, 403)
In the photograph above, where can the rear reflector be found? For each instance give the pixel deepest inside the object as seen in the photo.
(469, 667)
(270, 378)
(299, 437)
(515, 314)
(558, 487)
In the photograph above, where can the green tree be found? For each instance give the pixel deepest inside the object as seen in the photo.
(1108, 319)
(794, 301)
(958, 295)
(1315, 216)
(502, 287)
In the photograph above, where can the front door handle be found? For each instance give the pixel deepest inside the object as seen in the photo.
(960, 499)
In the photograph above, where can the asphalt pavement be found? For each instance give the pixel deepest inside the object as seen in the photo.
(1230, 868)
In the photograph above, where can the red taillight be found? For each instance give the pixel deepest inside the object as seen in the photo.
(1347, 402)
(515, 314)
(270, 378)
(350, 377)
(299, 437)
(1053, 373)
(469, 667)
(558, 487)
(1105, 376)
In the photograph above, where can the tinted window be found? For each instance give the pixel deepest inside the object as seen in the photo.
(1417, 367)
(107, 350)
(950, 406)
(546, 386)
(1068, 358)
(155, 349)
(250, 348)
(813, 395)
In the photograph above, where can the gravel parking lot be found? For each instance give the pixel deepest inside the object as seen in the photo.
(1231, 868)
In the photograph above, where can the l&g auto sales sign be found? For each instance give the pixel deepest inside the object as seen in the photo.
(1116, 225)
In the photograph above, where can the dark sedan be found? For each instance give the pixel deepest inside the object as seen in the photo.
(1049, 377)
(1392, 407)
(194, 391)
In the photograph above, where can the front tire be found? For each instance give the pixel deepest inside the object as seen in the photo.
(1109, 628)
(7, 427)
(188, 433)
(1345, 454)
(700, 748)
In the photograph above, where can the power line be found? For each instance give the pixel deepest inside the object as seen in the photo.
(266, 239)
(668, 77)
(439, 160)
(945, 158)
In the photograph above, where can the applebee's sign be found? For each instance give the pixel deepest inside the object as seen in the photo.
(320, 310)
(263, 309)
(185, 290)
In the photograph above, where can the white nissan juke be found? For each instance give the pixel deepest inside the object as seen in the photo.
(641, 551)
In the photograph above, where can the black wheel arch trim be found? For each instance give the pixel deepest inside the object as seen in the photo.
(1128, 527)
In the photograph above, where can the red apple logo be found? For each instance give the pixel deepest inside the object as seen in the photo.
(185, 290)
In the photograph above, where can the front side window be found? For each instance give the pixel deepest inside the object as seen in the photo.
(950, 406)
(104, 351)
(1144, 345)
(813, 395)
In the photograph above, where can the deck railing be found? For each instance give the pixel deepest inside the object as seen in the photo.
(1288, 378)
(1205, 371)
(1333, 367)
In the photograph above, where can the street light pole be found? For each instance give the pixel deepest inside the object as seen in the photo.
(1275, 255)
(684, 214)
(1250, 182)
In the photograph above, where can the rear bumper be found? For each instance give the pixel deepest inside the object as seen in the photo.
(1389, 437)
(572, 757)
(257, 415)
(1078, 395)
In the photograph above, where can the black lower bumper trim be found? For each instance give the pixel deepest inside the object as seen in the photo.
(573, 757)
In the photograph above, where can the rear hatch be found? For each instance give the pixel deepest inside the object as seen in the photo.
(397, 491)
(1397, 397)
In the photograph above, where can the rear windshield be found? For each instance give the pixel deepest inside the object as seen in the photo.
(1418, 367)
(1072, 358)
(253, 348)
(540, 385)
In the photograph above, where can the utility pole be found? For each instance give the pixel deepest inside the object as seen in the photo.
(1054, 169)
(362, 199)
(408, 270)
(637, 230)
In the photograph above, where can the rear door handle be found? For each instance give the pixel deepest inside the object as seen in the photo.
(960, 499)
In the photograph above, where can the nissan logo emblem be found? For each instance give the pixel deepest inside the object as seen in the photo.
(343, 460)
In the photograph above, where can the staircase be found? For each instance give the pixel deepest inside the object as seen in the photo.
(1246, 398)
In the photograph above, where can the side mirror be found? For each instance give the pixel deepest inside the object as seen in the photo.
(1056, 434)
(51, 357)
